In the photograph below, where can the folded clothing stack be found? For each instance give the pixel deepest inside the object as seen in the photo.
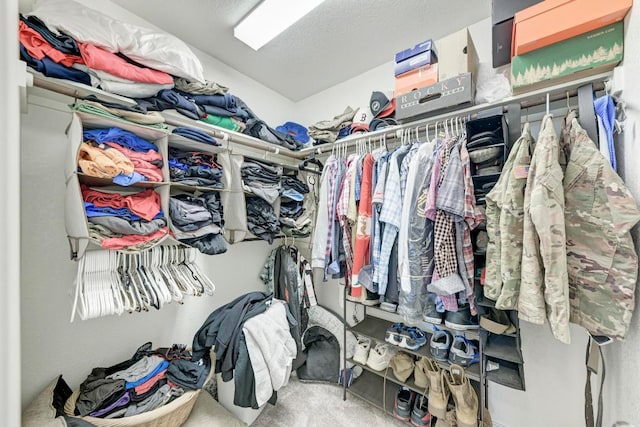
(194, 168)
(328, 130)
(196, 135)
(261, 179)
(197, 221)
(110, 110)
(120, 155)
(121, 221)
(147, 381)
(294, 219)
(262, 220)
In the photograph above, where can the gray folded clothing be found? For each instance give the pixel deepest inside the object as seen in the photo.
(124, 226)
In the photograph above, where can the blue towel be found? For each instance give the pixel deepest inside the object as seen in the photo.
(196, 135)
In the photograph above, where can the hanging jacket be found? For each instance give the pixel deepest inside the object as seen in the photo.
(505, 221)
(601, 258)
(545, 287)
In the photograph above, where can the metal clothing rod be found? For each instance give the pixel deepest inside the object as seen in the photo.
(526, 100)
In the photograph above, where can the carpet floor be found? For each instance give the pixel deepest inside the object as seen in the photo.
(308, 404)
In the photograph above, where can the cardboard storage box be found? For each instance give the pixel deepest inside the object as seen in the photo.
(587, 54)
(418, 56)
(450, 94)
(552, 21)
(416, 79)
(502, 12)
(457, 55)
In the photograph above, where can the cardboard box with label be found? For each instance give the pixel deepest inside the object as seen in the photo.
(587, 54)
(447, 95)
(553, 21)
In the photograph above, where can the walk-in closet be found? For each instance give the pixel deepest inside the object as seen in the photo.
(322, 212)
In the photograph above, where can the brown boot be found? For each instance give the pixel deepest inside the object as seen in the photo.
(464, 397)
(420, 374)
(449, 420)
(438, 391)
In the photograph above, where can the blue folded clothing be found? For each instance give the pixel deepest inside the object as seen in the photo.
(196, 135)
(52, 69)
(120, 137)
(92, 210)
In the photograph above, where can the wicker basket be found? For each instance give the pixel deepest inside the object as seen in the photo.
(173, 414)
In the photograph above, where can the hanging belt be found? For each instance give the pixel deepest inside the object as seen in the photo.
(593, 357)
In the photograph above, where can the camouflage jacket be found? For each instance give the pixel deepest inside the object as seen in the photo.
(544, 285)
(505, 226)
(601, 258)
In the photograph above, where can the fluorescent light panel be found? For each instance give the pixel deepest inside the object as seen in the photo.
(270, 18)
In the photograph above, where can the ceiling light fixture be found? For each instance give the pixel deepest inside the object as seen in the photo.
(270, 18)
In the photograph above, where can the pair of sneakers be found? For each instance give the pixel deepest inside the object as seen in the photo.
(411, 406)
(376, 358)
(460, 320)
(408, 337)
(458, 350)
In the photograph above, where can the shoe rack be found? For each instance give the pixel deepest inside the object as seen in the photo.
(379, 388)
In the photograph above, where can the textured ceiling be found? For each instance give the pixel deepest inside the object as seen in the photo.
(336, 41)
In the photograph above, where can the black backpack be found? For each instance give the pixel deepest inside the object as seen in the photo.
(323, 356)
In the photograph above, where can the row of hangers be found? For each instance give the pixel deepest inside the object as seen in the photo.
(112, 282)
(452, 127)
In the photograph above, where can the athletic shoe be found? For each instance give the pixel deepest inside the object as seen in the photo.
(430, 314)
(362, 351)
(403, 404)
(412, 338)
(380, 356)
(461, 319)
(463, 352)
(440, 344)
(393, 335)
(420, 416)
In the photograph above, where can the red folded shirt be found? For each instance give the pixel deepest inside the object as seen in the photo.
(38, 47)
(145, 204)
(100, 59)
(132, 239)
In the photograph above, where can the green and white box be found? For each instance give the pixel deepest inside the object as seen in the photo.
(584, 55)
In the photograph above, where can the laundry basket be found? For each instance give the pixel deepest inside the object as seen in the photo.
(173, 414)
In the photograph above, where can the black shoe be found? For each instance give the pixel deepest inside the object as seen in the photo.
(430, 314)
(403, 404)
(461, 319)
(371, 298)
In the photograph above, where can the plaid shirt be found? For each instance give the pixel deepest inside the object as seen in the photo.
(391, 215)
(404, 168)
(450, 201)
(473, 217)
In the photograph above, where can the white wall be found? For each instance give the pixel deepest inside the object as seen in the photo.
(356, 91)
(50, 344)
